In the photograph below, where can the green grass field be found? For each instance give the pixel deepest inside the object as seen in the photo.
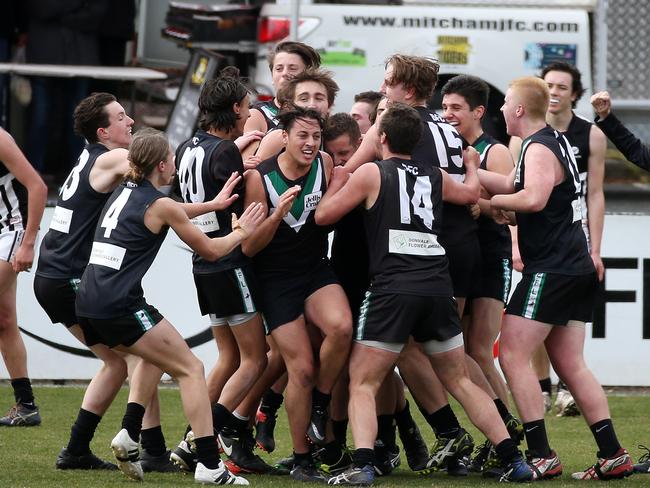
(27, 455)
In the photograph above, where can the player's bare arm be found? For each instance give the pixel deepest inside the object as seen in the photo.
(542, 172)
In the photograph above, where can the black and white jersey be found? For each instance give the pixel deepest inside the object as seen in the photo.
(442, 147)
(551, 240)
(578, 134)
(494, 238)
(123, 250)
(205, 162)
(13, 202)
(270, 112)
(298, 243)
(66, 246)
(403, 227)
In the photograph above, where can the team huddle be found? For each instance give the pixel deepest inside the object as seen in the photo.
(429, 215)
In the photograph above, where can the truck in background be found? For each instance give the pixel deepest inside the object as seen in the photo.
(497, 41)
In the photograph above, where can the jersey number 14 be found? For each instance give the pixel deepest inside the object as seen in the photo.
(419, 203)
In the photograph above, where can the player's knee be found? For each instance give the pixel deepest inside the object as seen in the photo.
(507, 360)
(481, 356)
(116, 366)
(254, 364)
(303, 374)
(193, 367)
(7, 321)
(341, 329)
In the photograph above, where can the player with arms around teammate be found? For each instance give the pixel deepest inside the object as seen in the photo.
(297, 285)
(410, 293)
(226, 288)
(112, 309)
(21, 208)
(556, 294)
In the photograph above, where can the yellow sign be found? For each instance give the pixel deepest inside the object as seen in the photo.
(198, 76)
(453, 49)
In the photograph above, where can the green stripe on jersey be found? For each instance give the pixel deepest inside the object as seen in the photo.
(280, 186)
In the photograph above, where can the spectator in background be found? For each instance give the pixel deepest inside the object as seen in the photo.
(59, 32)
(10, 27)
(112, 41)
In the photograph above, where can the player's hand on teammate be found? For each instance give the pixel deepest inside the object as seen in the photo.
(602, 104)
(249, 220)
(244, 140)
(474, 210)
(504, 217)
(285, 201)
(471, 158)
(23, 258)
(226, 196)
(252, 162)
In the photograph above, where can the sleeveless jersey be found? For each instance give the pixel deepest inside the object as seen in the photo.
(551, 240)
(442, 147)
(205, 162)
(403, 228)
(122, 252)
(270, 111)
(494, 238)
(13, 202)
(66, 246)
(298, 244)
(578, 136)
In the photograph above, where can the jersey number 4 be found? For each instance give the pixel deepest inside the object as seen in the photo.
(110, 220)
(419, 203)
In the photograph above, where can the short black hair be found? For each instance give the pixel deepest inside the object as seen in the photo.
(370, 96)
(339, 124)
(91, 114)
(473, 89)
(217, 98)
(288, 117)
(403, 128)
(576, 78)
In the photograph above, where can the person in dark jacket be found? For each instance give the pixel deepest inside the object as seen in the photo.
(59, 32)
(630, 146)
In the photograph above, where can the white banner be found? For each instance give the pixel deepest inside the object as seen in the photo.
(621, 357)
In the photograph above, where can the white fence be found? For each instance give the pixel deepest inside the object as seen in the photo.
(621, 357)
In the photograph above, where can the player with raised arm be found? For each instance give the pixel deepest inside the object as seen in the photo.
(112, 309)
